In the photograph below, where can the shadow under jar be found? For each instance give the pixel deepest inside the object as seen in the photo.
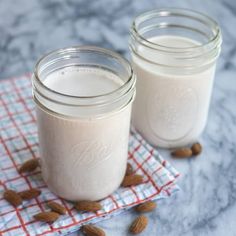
(174, 53)
(83, 99)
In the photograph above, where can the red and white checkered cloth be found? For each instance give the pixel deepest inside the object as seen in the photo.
(19, 142)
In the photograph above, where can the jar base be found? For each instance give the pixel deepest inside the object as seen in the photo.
(158, 143)
(81, 197)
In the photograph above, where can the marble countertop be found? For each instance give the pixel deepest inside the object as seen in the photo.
(207, 203)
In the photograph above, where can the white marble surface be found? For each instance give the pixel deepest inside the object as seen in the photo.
(207, 203)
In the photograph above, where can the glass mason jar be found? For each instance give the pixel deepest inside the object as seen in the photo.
(174, 53)
(83, 99)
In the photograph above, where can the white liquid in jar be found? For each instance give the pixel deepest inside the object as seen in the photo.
(170, 109)
(83, 81)
(83, 158)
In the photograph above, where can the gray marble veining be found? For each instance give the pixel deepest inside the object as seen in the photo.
(207, 203)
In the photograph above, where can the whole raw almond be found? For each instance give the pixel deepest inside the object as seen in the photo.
(132, 180)
(12, 197)
(88, 206)
(48, 217)
(129, 169)
(90, 230)
(182, 152)
(146, 207)
(196, 148)
(30, 194)
(29, 166)
(138, 225)
(56, 207)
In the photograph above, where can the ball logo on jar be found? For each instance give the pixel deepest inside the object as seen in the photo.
(176, 115)
(90, 153)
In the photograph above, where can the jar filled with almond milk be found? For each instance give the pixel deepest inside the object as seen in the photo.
(83, 99)
(174, 53)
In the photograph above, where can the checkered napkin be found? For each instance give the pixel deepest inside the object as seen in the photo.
(19, 142)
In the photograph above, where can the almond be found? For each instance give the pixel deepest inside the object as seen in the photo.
(132, 180)
(196, 149)
(48, 217)
(91, 230)
(146, 207)
(30, 194)
(88, 206)
(138, 225)
(182, 152)
(56, 207)
(129, 169)
(29, 166)
(12, 197)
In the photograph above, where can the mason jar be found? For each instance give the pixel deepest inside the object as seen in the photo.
(174, 53)
(83, 99)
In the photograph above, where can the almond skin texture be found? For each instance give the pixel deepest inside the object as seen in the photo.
(30, 194)
(138, 225)
(56, 207)
(88, 206)
(196, 149)
(12, 197)
(29, 166)
(182, 153)
(146, 207)
(48, 217)
(129, 170)
(90, 230)
(132, 180)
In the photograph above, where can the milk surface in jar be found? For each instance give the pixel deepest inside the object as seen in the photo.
(83, 147)
(175, 76)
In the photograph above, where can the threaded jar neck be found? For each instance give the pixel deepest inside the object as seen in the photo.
(77, 105)
(188, 24)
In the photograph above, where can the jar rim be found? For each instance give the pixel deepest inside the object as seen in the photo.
(201, 17)
(83, 106)
(78, 49)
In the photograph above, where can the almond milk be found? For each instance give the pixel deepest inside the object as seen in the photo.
(174, 53)
(83, 154)
(170, 109)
